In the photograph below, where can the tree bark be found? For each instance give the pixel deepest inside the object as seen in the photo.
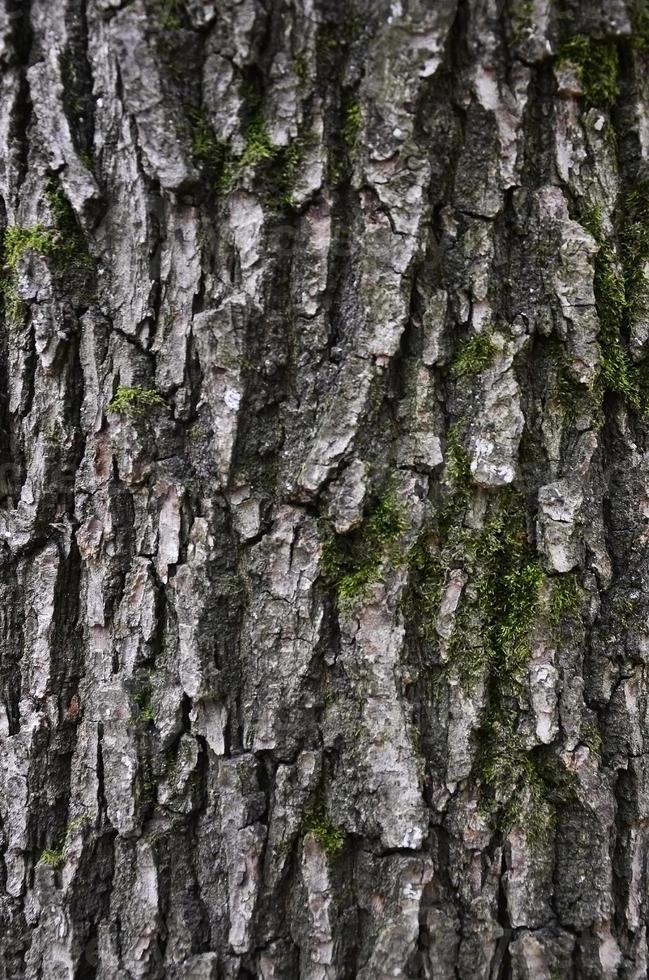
(324, 553)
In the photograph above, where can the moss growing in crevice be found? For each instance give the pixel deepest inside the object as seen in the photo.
(277, 166)
(145, 710)
(352, 122)
(634, 249)
(474, 355)
(566, 599)
(608, 284)
(213, 154)
(425, 583)
(598, 67)
(520, 786)
(501, 597)
(353, 561)
(591, 736)
(498, 608)
(54, 859)
(504, 593)
(223, 166)
(289, 162)
(168, 14)
(258, 147)
(301, 68)
(575, 399)
(335, 42)
(135, 402)
(73, 264)
(639, 11)
(19, 240)
(63, 243)
(170, 26)
(316, 821)
(459, 481)
(620, 291)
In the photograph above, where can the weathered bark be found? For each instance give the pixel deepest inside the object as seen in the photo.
(325, 489)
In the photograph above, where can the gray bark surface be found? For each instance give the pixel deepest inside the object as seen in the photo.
(324, 501)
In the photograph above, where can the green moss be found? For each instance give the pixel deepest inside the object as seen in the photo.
(522, 20)
(458, 464)
(639, 10)
(316, 821)
(425, 582)
(490, 641)
(352, 562)
(87, 159)
(205, 146)
(258, 145)
(353, 120)
(598, 67)
(520, 787)
(591, 737)
(135, 402)
(621, 294)
(279, 165)
(301, 68)
(55, 857)
(146, 714)
(52, 859)
(63, 243)
(76, 824)
(169, 14)
(493, 620)
(576, 399)
(566, 599)
(616, 373)
(215, 155)
(459, 482)
(145, 710)
(634, 249)
(329, 40)
(503, 599)
(513, 788)
(474, 355)
(18, 241)
(168, 18)
(289, 164)
(73, 264)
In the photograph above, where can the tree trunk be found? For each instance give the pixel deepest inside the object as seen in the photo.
(325, 489)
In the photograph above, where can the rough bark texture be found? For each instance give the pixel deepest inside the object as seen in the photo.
(324, 544)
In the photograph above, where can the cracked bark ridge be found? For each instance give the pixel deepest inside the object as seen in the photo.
(325, 489)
